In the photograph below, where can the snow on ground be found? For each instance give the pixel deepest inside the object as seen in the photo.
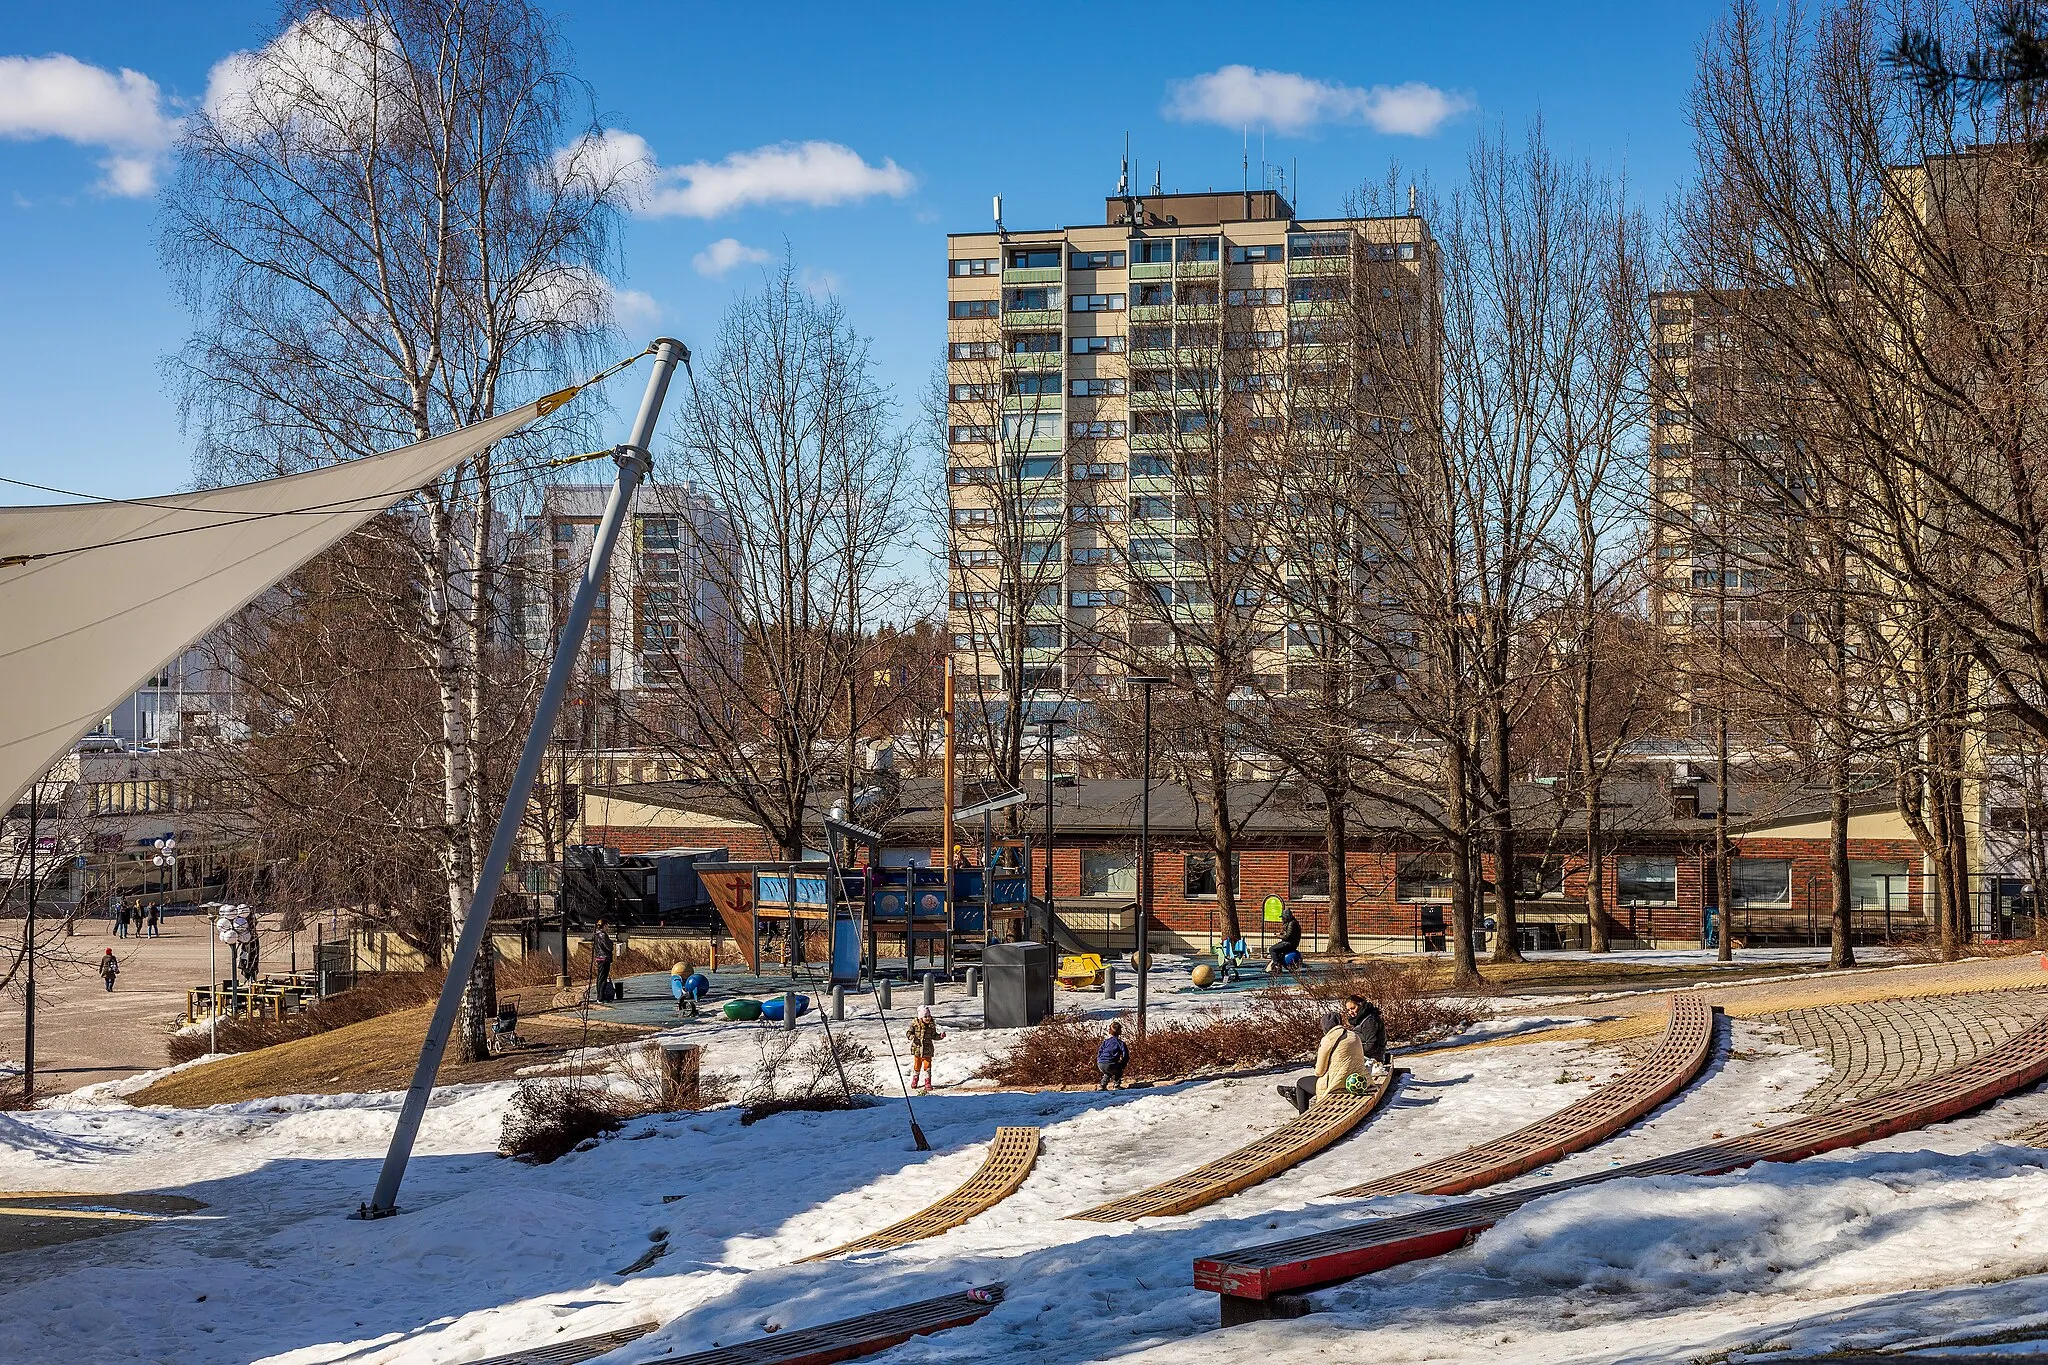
(1875, 1246)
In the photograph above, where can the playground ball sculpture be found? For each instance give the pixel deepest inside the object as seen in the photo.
(1203, 975)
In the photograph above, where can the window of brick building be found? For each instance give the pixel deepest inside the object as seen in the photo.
(1308, 876)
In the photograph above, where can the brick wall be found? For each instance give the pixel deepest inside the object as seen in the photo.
(742, 845)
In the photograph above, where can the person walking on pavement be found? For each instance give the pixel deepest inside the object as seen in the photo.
(156, 921)
(110, 967)
(924, 1033)
(601, 958)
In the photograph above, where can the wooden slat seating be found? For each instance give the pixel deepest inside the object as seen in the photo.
(851, 1338)
(733, 894)
(1010, 1158)
(1255, 1282)
(575, 1350)
(1683, 1050)
(1328, 1119)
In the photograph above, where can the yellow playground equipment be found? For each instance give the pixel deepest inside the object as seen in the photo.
(1080, 971)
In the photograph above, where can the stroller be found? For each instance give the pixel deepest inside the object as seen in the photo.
(1231, 959)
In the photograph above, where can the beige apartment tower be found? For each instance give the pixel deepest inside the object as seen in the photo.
(1080, 359)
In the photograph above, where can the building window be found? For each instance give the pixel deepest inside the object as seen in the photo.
(1095, 431)
(1096, 260)
(1308, 876)
(1031, 426)
(972, 308)
(971, 435)
(976, 265)
(1035, 343)
(1087, 472)
(1760, 881)
(1098, 345)
(1646, 881)
(1254, 341)
(1151, 467)
(974, 600)
(1034, 257)
(975, 559)
(1092, 554)
(1109, 873)
(1098, 303)
(967, 393)
(974, 516)
(1423, 877)
(1097, 388)
(1102, 515)
(1875, 885)
(1152, 295)
(1025, 385)
(1198, 248)
(971, 473)
(973, 350)
(1303, 244)
(1041, 637)
(1030, 300)
(1198, 880)
(1254, 297)
(1152, 251)
(1314, 290)
(1254, 255)
(1151, 509)
(1096, 597)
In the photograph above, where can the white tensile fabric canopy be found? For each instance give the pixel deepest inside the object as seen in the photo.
(96, 597)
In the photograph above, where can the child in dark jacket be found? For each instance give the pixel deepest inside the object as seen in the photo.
(1112, 1057)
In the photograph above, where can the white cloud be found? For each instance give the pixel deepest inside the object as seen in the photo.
(725, 253)
(609, 159)
(632, 309)
(61, 97)
(315, 80)
(1285, 101)
(577, 296)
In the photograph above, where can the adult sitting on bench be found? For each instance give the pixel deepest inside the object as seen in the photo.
(505, 1028)
(1338, 1059)
(1287, 946)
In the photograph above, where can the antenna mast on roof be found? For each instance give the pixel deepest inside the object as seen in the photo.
(1157, 167)
(1123, 180)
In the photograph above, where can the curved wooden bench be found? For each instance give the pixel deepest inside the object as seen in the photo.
(1255, 1282)
(1687, 1043)
(1010, 1158)
(1328, 1119)
(847, 1339)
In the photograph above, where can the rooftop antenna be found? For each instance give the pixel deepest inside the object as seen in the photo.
(1123, 180)
(1411, 199)
(1157, 166)
(999, 216)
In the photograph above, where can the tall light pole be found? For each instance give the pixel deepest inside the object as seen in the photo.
(1144, 959)
(167, 857)
(28, 949)
(1048, 727)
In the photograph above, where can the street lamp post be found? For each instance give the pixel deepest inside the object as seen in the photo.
(167, 858)
(28, 949)
(1144, 958)
(1048, 728)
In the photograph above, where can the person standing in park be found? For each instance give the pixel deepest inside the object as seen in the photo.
(156, 921)
(1112, 1057)
(601, 961)
(110, 967)
(924, 1035)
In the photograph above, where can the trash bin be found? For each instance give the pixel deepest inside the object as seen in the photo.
(1017, 984)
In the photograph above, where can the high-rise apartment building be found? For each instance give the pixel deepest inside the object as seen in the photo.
(1083, 361)
(664, 600)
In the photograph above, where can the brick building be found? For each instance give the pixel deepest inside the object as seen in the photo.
(1658, 864)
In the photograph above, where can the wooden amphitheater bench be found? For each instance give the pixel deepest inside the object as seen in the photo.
(847, 1339)
(1264, 1281)
(1328, 1119)
(1010, 1158)
(1687, 1042)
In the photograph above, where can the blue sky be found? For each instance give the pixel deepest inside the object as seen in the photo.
(923, 112)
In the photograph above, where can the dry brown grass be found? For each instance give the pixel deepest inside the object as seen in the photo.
(376, 995)
(1281, 1023)
(538, 969)
(375, 1054)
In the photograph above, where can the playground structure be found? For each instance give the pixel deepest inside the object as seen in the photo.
(861, 909)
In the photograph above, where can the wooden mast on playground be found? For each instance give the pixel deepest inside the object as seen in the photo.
(946, 819)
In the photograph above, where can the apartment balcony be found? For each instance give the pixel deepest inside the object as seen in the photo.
(1035, 360)
(1142, 402)
(1198, 312)
(1152, 312)
(1159, 485)
(1197, 270)
(1318, 308)
(1152, 270)
(1319, 265)
(1140, 359)
(1034, 274)
(1160, 442)
(1047, 403)
(1032, 317)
